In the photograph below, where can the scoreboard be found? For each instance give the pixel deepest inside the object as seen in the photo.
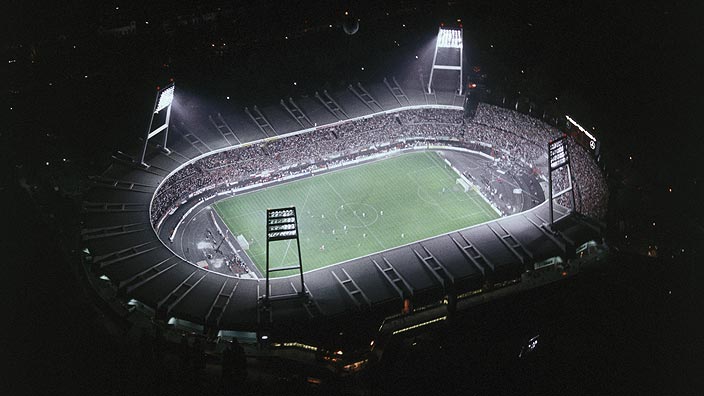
(583, 137)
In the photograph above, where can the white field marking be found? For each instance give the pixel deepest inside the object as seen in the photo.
(258, 141)
(388, 155)
(418, 170)
(479, 204)
(288, 246)
(434, 203)
(486, 211)
(486, 200)
(254, 270)
(422, 240)
(469, 215)
(337, 217)
(343, 168)
(370, 231)
(453, 173)
(392, 155)
(358, 218)
(470, 194)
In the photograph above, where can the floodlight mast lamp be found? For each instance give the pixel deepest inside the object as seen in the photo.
(282, 225)
(448, 39)
(164, 99)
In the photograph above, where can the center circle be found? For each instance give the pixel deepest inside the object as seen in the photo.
(356, 215)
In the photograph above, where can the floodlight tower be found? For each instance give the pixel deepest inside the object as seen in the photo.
(282, 225)
(164, 99)
(448, 42)
(559, 157)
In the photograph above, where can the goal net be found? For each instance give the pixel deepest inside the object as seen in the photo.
(242, 242)
(464, 184)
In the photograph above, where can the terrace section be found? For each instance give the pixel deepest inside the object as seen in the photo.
(122, 246)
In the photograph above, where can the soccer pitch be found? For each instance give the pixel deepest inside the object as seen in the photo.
(357, 211)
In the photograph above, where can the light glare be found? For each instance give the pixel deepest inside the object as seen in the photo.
(449, 38)
(165, 99)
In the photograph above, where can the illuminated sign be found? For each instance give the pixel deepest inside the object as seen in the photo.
(573, 122)
(586, 139)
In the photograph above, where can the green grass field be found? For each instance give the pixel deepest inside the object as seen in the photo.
(357, 211)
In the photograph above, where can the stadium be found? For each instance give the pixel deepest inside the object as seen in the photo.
(413, 201)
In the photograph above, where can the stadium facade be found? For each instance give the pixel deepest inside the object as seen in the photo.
(131, 215)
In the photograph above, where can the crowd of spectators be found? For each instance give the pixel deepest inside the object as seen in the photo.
(592, 192)
(514, 139)
(236, 265)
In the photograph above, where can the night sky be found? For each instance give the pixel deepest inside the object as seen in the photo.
(632, 71)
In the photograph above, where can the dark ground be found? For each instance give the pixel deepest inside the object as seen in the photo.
(634, 71)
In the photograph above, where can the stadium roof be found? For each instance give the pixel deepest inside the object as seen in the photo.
(124, 247)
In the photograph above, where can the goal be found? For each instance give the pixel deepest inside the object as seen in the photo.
(464, 184)
(242, 242)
